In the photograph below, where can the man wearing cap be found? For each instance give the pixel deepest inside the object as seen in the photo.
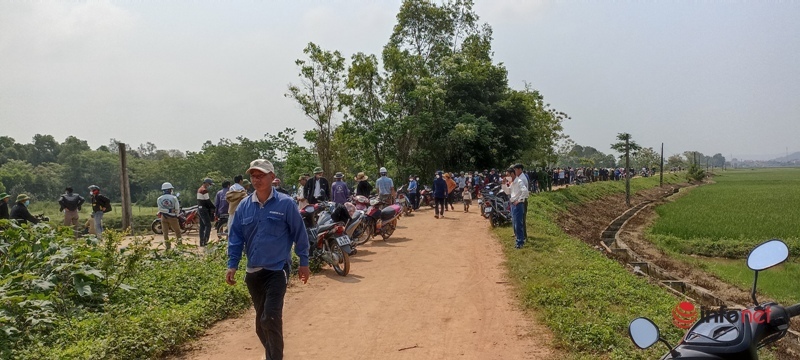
(205, 210)
(517, 192)
(339, 189)
(20, 211)
(70, 203)
(266, 226)
(317, 189)
(4, 213)
(385, 187)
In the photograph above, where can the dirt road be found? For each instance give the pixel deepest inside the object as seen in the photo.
(435, 290)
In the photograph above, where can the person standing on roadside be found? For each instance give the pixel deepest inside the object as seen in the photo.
(235, 194)
(20, 211)
(266, 226)
(517, 192)
(520, 173)
(205, 210)
(301, 196)
(220, 202)
(439, 194)
(4, 212)
(277, 185)
(100, 205)
(169, 207)
(339, 189)
(413, 194)
(363, 187)
(385, 187)
(318, 189)
(70, 203)
(451, 191)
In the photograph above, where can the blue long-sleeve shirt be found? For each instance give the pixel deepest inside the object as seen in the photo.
(221, 203)
(267, 233)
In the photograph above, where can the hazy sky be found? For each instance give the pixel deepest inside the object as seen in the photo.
(713, 76)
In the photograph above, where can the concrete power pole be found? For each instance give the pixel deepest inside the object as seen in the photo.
(661, 180)
(125, 189)
(627, 173)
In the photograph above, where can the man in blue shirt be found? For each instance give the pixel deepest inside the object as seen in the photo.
(385, 187)
(266, 225)
(439, 193)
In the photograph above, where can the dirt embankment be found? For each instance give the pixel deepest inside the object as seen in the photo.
(436, 289)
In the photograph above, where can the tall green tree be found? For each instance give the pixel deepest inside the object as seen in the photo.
(320, 95)
(626, 146)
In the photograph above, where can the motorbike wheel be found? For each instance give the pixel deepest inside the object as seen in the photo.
(343, 267)
(156, 227)
(388, 230)
(222, 229)
(494, 220)
(365, 232)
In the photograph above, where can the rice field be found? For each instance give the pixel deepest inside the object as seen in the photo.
(743, 207)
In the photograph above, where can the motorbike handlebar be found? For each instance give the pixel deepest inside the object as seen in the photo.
(793, 310)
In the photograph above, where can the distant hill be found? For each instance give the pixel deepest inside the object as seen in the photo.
(791, 157)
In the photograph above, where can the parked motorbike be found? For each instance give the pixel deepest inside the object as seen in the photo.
(329, 243)
(221, 225)
(402, 199)
(355, 226)
(426, 197)
(187, 219)
(361, 202)
(495, 206)
(383, 221)
(717, 336)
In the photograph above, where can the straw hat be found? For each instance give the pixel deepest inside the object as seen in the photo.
(361, 176)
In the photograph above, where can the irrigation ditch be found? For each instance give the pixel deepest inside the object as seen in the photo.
(618, 231)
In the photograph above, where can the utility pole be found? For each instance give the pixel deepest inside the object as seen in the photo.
(661, 180)
(125, 189)
(627, 172)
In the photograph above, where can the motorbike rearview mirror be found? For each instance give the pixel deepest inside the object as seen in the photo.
(643, 332)
(767, 255)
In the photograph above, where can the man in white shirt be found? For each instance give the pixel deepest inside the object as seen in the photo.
(519, 192)
(519, 171)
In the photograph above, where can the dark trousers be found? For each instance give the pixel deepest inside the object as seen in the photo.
(524, 218)
(205, 225)
(439, 205)
(267, 289)
(413, 198)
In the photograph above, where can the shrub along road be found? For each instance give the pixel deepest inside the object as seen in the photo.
(436, 289)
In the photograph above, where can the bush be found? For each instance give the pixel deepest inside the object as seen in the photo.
(66, 298)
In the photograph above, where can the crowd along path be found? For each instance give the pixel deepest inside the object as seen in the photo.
(435, 290)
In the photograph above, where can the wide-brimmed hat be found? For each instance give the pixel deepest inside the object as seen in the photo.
(245, 182)
(317, 170)
(302, 177)
(22, 197)
(338, 175)
(261, 165)
(361, 176)
(4, 195)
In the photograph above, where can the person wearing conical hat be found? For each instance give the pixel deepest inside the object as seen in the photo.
(20, 211)
(4, 214)
(363, 187)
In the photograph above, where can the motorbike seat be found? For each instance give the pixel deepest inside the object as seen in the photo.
(325, 227)
(388, 213)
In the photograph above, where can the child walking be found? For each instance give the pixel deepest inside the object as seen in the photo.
(467, 194)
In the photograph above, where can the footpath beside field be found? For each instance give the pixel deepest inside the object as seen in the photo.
(435, 290)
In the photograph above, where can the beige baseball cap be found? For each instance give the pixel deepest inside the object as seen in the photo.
(261, 165)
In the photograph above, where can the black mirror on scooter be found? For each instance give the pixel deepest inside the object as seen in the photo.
(643, 332)
(767, 255)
